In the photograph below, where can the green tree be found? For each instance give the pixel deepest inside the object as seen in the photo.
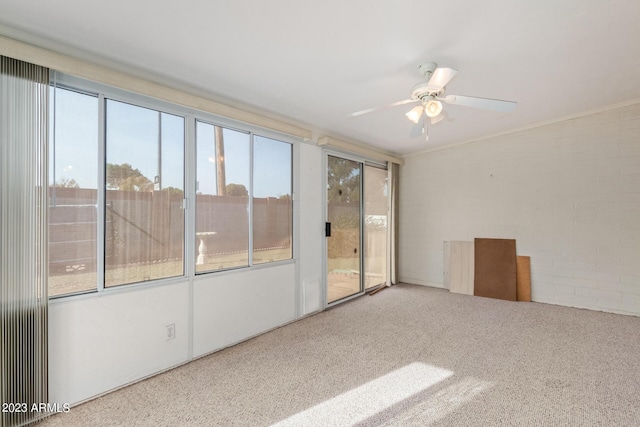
(125, 177)
(67, 183)
(236, 190)
(344, 181)
(173, 190)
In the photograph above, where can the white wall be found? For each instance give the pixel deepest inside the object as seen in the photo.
(103, 341)
(311, 229)
(568, 192)
(231, 306)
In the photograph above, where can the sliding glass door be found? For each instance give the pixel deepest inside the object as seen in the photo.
(356, 227)
(343, 228)
(375, 226)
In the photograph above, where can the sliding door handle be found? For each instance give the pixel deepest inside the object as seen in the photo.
(327, 229)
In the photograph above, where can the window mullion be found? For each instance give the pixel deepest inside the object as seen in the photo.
(101, 208)
(190, 197)
(250, 205)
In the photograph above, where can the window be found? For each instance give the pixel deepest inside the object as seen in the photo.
(235, 212)
(144, 219)
(73, 192)
(222, 201)
(118, 191)
(272, 205)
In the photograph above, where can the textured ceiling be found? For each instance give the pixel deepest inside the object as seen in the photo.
(315, 62)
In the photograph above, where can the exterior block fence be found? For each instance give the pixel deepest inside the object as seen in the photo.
(149, 226)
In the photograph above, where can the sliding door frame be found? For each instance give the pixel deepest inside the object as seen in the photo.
(362, 162)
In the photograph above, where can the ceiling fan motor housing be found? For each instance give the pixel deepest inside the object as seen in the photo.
(427, 69)
(421, 90)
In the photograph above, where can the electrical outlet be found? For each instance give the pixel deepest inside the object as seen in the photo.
(171, 331)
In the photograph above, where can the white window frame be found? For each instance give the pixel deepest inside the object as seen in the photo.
(190, 117)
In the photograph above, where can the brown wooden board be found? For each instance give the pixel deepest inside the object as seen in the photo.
(523, 278)
(495, 268)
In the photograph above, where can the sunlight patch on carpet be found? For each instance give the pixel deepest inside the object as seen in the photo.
(444, 402)
(369, 399)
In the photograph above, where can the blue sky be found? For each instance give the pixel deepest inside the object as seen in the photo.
(132, 137)
(75, 153)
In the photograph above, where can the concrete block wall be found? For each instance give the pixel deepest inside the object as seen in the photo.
(568, 192)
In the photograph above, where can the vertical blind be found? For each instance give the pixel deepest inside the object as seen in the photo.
(23, 239)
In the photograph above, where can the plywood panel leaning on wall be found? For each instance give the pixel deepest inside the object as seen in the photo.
(495, 268)
(459, 267)
(523, 278)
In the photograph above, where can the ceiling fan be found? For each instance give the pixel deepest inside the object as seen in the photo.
(430, 95)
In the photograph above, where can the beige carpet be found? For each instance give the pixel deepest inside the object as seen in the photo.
(409, 355)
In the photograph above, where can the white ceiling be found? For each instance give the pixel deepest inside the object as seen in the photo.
(316, 61)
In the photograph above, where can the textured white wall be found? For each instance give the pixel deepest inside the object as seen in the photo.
(568, 192)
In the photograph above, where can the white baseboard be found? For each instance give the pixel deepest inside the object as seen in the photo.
(422, 283)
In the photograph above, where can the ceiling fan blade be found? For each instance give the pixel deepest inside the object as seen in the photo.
(371, 110)
(440, 78)
(418, 128)
(484, 103)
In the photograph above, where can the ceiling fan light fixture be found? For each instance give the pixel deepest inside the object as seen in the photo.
(437, 119)
(415, 113)
(433, 108)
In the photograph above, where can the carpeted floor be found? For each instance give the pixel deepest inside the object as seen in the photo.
(409, 355)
